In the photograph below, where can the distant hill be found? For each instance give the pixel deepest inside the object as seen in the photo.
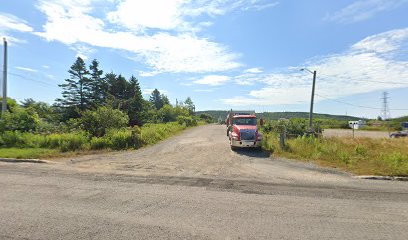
(277, 115)
(400, 119)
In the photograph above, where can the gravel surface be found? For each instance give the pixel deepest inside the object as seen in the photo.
(204, 152)
(193, 186)
(357, 133)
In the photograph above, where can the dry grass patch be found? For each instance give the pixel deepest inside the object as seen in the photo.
(358, 155)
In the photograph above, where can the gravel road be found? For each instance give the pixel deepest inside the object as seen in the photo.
(357, 133)
(193, 186)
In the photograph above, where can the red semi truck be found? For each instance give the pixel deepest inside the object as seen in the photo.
(242, 129)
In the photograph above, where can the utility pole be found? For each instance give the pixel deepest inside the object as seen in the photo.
(311, 130)
(311, 103)
(4, 103)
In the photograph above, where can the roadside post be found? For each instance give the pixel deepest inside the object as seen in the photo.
(282, 137)
(353, 128)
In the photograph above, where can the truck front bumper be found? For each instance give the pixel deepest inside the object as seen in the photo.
(245, 143)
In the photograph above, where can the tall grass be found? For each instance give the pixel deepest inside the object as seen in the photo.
(63, 141)
(115, 139)
(358, 155)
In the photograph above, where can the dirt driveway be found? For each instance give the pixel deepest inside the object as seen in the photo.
(204, 152)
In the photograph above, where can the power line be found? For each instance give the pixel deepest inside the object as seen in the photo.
(360, 106)
(31, 79)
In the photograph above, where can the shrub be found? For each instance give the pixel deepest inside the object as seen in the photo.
(66, 141)
(20, 119)
(187, 121)
(100, 143)
(99, 121)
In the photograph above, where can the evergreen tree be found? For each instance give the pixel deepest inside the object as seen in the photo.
(156, 99)
(77, 89)
(135, 106)
(165, 99)
(98, 84)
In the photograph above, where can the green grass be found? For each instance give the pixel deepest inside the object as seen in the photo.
(27, 153)
(29, 145)
(362, 156)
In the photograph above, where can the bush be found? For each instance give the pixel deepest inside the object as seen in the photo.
(99, 143)
(187, 121)
(153, 133)
(99, 121)
(19, 120)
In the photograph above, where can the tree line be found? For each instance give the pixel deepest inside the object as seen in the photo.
(90, 95)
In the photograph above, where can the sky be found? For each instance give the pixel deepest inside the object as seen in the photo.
(239, 54)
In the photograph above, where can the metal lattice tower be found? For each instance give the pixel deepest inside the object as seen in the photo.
(385, 111)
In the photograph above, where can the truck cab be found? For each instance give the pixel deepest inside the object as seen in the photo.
(242, 130)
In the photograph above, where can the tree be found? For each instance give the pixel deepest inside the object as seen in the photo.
(135, 103)
(167, 114)
(156, 99)
(97, 84)
(188, 103)
(44, 110)
(77, 89)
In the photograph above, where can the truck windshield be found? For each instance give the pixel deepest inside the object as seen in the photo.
(244, 121)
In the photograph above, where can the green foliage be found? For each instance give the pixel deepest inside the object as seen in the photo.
(77, 89)
(153, 133)
(206, 117)
(294, 127)
(188, 103)
(20, 119)
(11, 104)
(167, 114)
(27, 153)
(63, 141)
(97, 122)
(158, 100)
(186, 121)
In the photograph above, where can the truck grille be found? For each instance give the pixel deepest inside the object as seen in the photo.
(248, 135)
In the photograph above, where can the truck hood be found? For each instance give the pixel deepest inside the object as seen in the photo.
(246, 127)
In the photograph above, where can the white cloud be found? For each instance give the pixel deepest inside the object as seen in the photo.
(82, 51)
(148, 91)
(253, 70)
(364, 9)
(213, 80)
(383, 42)
(369, 65)
(148, 74)
(10, 23)
(73, 24)
(203, 90)
(137, 15)
(27, 69)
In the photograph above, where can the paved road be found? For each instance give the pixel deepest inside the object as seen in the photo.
(260, 198)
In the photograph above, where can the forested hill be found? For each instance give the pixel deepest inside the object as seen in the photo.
(277, 115)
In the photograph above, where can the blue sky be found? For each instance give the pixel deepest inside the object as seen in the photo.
(242, 54)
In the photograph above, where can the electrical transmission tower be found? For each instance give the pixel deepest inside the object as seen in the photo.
(385, 111)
